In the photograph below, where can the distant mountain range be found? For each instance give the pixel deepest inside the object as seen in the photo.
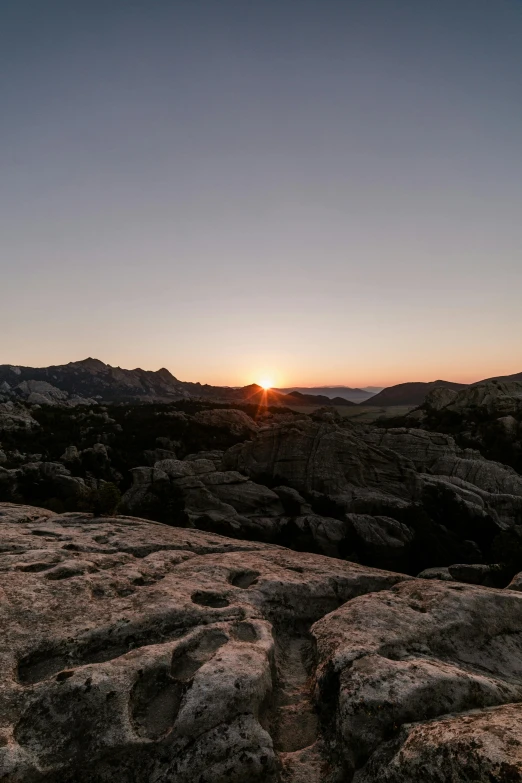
(254, 394)
(93, 379)
(354, 395)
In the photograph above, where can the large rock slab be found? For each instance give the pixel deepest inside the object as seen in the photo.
(438, 454)
(228, 503)
(132, 651)
(484, 487)
(481, 747)
(422, 650)
(320, 456)
(197, 492)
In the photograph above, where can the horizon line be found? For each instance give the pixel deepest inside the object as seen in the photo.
(362, 387)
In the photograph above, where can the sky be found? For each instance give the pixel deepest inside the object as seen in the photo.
(306, 191)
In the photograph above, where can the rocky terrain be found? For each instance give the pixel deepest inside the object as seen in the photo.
(204, 591)
(134, 651)
(440, 488)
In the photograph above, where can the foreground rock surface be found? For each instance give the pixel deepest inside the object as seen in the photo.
(480, 747)
(136, 652)
(410, 655)
(133, 651)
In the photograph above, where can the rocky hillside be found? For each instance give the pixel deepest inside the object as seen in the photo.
(416, 393)
(88, 379)
(132, 651)
(409, 393)
(486, 417)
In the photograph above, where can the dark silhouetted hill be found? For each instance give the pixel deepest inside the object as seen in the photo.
(409, 393)
(344, 392)
(415, 393)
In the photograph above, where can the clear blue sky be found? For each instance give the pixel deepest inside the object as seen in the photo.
(314, 191)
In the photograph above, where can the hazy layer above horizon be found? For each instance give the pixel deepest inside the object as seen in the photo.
(315, 193)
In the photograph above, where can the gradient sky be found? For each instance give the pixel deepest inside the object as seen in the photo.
(314, 191)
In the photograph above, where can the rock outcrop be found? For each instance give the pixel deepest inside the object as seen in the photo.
(479, 747)
(40, 392)
(132, 651)
(438, 454)
(498, 398)
(439, 397)
(382, 472)
(435, 392)
(494, 575)
(402, 498)
(320, 456)
(202, 491)
(235, 421)
(16, 418)
(43, 478)
(411, 655)
(399, 498)
(195, 493)
(488, 491)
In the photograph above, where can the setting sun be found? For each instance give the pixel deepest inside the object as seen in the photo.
(266, 384)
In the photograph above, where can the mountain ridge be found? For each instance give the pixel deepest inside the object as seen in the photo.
(347, 392)
(414, 392)
(92, 379)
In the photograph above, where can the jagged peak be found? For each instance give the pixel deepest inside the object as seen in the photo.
(89, 364)
(166, 375)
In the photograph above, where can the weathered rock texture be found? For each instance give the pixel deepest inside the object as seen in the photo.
(132, 651)
(486, 416)
(481, 747)
(14, 418)
(400, 498)
(320, 456)
(491, 397)
(410, 655)
(136, 652)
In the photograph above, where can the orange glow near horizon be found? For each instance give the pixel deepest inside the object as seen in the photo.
(382, 372)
